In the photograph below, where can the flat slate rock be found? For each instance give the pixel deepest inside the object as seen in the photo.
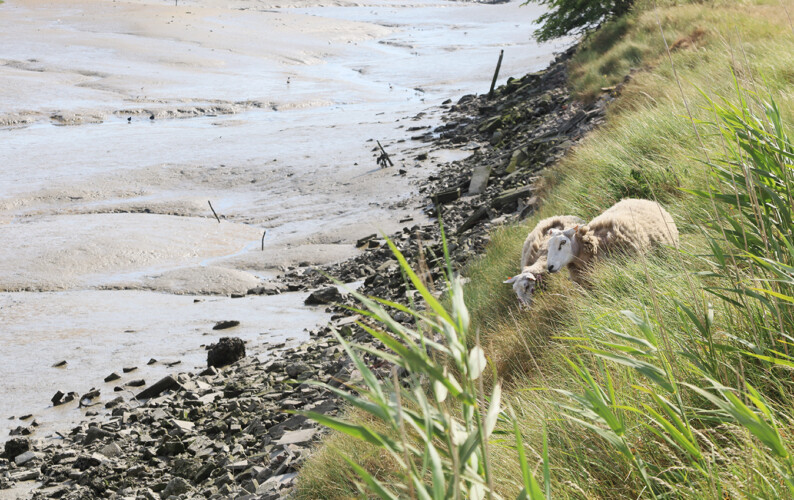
(511, 196)
(24, 458)
(297, 437)
(164, 384)
(479, 179)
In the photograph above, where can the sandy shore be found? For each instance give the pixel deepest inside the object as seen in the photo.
(268, 110)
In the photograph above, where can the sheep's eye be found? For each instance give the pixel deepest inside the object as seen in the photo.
(561, 244)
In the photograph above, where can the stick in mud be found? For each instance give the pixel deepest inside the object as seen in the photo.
(496, 73)
(383, 159)
(213, 212)
(263, 240)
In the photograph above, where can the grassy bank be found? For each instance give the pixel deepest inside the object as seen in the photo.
(711, 418)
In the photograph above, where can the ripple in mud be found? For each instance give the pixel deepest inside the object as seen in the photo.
(65, 252)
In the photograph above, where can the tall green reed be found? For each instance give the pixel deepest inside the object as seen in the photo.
(752, 188)
(440, 420)
(700, 393)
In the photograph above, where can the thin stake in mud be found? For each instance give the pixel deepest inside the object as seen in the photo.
(263, 240)
(213, 212)
(496, 73)
(384, 160)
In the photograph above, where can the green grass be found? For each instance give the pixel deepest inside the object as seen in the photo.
(649, 149)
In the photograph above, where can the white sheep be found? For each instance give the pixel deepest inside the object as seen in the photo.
(533, 257)
(629, 225)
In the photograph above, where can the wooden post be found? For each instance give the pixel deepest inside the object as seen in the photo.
(496, 73)
(384, 157)
(213, 212)
(263, 240)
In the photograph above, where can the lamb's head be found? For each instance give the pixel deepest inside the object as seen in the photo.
(563, 247)
(524, 285)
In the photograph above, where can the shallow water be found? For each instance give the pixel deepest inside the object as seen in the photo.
(106, 331)
(269, 112)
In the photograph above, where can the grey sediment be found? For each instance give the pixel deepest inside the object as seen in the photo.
(225, 432)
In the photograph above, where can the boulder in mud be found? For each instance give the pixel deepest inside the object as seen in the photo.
(327, 295)
(15, 446)
(225, 352)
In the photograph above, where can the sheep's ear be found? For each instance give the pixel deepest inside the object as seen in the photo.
(556, 227)
(512, 280)
(582, 230)
(570, 232)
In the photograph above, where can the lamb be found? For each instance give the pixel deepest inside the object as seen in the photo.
(533, 256)
(629, 225)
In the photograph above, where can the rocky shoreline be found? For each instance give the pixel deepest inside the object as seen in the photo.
(223, 433)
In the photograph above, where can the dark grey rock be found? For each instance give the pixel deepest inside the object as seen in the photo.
(479, 215)
(294, 370)
(57, 398)
(114, 402)
(167, 383)
(92, 394)
(510, 197)
(223, 325)
(95, 434)
(15, 446)
(267, 288)
(447, 195)
(227, 351)
(176, 486)
(85, 462)
(323, 296)
(25, 475)
(111, 450)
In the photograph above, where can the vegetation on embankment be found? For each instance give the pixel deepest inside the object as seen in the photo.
(691, 396)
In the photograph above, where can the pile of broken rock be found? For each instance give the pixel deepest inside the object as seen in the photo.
(218, 434)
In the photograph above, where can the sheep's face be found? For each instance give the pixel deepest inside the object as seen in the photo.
(560, 249)
(524, 285)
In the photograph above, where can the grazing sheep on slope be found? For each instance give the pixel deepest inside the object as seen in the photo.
(629, 225)
(533, 257)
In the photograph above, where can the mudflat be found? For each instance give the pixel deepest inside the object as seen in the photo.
(120, 121)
